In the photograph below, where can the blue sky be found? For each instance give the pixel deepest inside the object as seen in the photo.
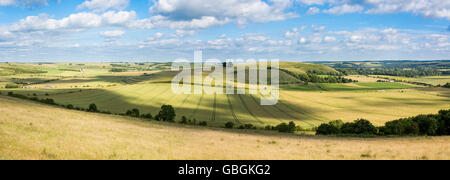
(165, 30)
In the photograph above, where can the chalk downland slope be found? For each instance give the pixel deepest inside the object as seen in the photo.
(33, 131)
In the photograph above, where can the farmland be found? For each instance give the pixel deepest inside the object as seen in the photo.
(147, 87)
(33, 131)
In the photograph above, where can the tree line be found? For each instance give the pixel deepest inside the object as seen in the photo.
(313, 78)
(422, 125)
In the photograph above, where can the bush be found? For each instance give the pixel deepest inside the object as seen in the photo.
(147, 116)
(229, 125)
(184, 120)
(247, 126)
(286, 128)
(167, 113)
(333, 127)
(69, 106)
(360, 126)
(401, 127)
(203, 123)
(133, 113)
(428, 124)
(443, 119)
(93, 108)
(11, 86)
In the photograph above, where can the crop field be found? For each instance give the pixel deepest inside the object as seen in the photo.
(33, 131)
(433, 80)
(307, 105)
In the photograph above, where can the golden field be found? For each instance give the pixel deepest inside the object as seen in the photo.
(33, 131)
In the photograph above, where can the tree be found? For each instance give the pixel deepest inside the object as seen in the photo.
(69, 106)
(184, 120)
(333, 127)
(286, 128)
(93, 108)
(229, 125)
(167, 113)
(134, 112)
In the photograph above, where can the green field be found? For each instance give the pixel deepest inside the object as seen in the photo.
(148, 88)
(34, 131)
(433, 80)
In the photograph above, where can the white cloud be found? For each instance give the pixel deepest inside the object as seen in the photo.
(427, 8)
(103, 5)
(115, 33)
(343, 9)
(184, 33)
(330, 39)
(76, 21)
(313, 10)
(7, 2)
(240, 11)
(24, 3)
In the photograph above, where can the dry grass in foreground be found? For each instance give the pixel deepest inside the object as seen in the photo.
(34, 131)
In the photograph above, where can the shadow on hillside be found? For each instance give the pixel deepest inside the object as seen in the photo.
(201, 110)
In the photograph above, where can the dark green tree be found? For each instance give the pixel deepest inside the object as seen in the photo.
(167, 113)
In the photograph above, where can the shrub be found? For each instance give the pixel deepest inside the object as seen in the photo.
(428, 125)
(48, 101)
(184, 120)
(333, 127)
(401, 127)
(363, 126)
(147, 116)
(69, 106)
(93, 108)
(133, 113)
(229, 125)
(203, 123)
(167, 113)
(286, 128)
(443, 119)
(11, 86)
(360, 126)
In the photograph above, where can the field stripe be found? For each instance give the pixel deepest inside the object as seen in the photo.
(198, 106)
(231, 109)
(301, 112)
(248, 110)
(262, 107)
(213, 117)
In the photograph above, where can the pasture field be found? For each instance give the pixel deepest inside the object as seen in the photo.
(307, 105)
(33, 131)
(433, 80)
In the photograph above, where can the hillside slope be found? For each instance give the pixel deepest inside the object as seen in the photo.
(33, 131)
(303, 68)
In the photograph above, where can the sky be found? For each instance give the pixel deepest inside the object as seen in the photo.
(165, 30)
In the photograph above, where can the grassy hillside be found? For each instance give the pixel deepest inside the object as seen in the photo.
(306, 67)
(33, 131)
(307, 105)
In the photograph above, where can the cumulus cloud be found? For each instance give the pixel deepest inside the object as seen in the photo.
(110, 34)
(7, 2)
(426, 8)
(313, 10)
(343, 9)
(78, 21)
(239, 11)
(103, 5)
(24, 3)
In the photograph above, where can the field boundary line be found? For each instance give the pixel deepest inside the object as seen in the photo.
(213, 117)
(198, 106)
(248, 110)
(230, 106)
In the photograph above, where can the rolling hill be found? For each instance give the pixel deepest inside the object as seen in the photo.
(34, 131)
